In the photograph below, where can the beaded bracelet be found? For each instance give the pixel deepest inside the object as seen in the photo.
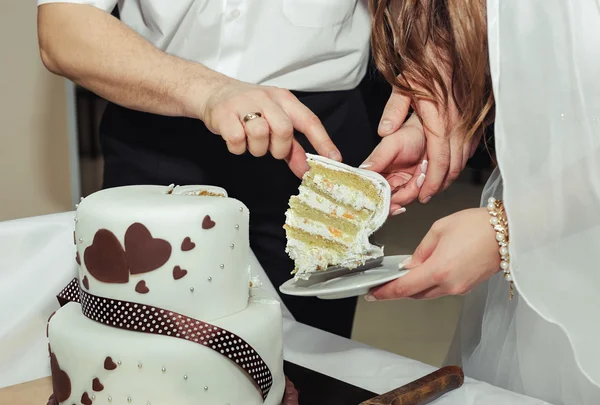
(500, 224)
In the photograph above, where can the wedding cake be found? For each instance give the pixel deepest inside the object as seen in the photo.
(162, 312)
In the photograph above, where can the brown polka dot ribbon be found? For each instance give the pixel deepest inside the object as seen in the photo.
(148, 319)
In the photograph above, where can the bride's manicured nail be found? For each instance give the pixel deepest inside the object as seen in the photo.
(420, 180)
(406, 262)
(426, 200)
(399, 211)
(365, 165)
(370, 298)
(424, 165)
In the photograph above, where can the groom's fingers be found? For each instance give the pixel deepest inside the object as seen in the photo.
(394, 114)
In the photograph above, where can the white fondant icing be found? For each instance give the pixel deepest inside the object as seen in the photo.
(82, 345)
(216, 283)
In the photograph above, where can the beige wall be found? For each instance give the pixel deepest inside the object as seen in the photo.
(34, 152)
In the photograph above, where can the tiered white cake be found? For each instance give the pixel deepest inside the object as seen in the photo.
(167, 315)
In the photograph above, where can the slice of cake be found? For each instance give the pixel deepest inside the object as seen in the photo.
(331, 219)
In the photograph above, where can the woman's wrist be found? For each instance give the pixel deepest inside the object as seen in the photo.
(499, 222)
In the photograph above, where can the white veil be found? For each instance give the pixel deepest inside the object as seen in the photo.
(545, 63)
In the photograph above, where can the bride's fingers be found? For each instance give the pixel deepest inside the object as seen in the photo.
(456, 161)
(410, 191)
(430, 293)
(414, 282)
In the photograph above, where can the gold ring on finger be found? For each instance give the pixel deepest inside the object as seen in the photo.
(251, 116)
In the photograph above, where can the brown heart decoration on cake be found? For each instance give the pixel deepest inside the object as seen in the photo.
(178, 273)
(48, 326)
(187, 244)
(61, 383)
(208, 223)
(109, 364)
(74, 238)
(105, 258)
(85, 399)
(97, 385)
(77, 258)
(141, 287)
(86, 282)
(145, 253)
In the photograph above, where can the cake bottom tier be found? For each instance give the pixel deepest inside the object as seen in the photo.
(99, 364)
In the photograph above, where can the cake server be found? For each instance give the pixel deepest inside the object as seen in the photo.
(423, 391)
(338, 271)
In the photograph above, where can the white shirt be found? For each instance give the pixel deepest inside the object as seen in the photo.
(309, 45)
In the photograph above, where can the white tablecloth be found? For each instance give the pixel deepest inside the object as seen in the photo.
(37, 261)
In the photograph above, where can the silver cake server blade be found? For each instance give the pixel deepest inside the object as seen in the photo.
(338, 271)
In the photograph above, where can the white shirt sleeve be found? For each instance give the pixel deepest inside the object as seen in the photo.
(106, 5)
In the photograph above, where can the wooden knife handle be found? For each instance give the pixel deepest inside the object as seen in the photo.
(424, 390)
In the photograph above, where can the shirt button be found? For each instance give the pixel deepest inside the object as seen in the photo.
(235, 13)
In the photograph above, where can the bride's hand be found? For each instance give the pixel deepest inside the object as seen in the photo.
(401, 159)
(458, 253)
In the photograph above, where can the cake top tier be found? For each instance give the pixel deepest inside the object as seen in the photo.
(183, 249)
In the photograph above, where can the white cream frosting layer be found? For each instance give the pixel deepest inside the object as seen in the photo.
(314, 200)
(344, 194)
(317, 228)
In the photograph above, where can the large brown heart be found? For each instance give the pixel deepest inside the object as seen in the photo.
(144, 253)
(61, 383)
(105, 258)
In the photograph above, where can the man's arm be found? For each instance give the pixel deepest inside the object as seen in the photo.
(99, 52)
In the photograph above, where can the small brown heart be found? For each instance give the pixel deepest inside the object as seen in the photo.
(78, 259)
(178, 273)
(61, 383)
(109, 364)
(85, 399)
(97, 385)
(141, 287)
(86, 282)
(208, 223)
(48, 325)
(187, 244)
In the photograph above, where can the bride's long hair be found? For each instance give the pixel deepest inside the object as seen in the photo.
(437, 50)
